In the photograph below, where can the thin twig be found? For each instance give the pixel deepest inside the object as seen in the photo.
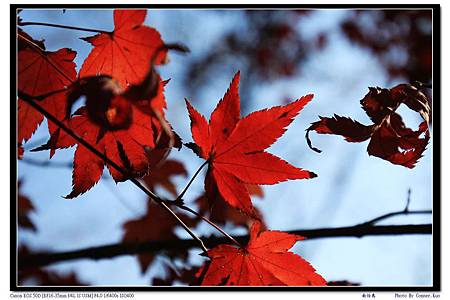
(180, 196)
(405, 211)
(113, 250)
(63, 26)
(183, 207)
(408, 200)
(171, 202)
(397, 213)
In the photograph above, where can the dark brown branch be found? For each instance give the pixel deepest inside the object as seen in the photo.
(108, 251)
(63, 26)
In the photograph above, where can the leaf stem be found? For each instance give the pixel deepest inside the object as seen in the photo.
(30, 100)
(63, 26)
(180, 196)
(183, 207)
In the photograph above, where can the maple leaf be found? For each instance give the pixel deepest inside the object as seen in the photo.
(161, 174)
(45, 76)
(390, 139)
(126, 133)
(264, 261)
(108, 103)
(220, 213)
(155, 225)
(235, 147)
(125, 147)
(125, 53)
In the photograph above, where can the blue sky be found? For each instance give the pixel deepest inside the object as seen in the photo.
(351, 188)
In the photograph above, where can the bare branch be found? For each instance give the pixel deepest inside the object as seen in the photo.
(113, 250)
(63, 26)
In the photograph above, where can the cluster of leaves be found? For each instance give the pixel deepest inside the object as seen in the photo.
(123, 120)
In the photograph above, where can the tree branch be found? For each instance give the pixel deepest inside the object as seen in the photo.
(108, 251)
(63, 26)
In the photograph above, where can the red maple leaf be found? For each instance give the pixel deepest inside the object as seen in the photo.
(43, 75)
(235, 147)
(264, 261)
(125, 147)
(160, 175)
(124, 130)
(125, 53)
(220, 212)
(155, 225)
(390, 139)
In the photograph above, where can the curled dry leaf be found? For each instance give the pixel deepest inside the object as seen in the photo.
(390, 139)
(265, 261)
(235, 147)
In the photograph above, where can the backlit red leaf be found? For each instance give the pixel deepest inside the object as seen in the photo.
(219, 212)
(128, 133)
(45, 75)
(126, 147)
(125, 53)
(265, 261)
(235, 147)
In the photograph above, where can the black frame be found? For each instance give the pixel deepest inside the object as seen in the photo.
(436, 44)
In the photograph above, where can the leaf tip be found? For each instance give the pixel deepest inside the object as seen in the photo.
(312, 175)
